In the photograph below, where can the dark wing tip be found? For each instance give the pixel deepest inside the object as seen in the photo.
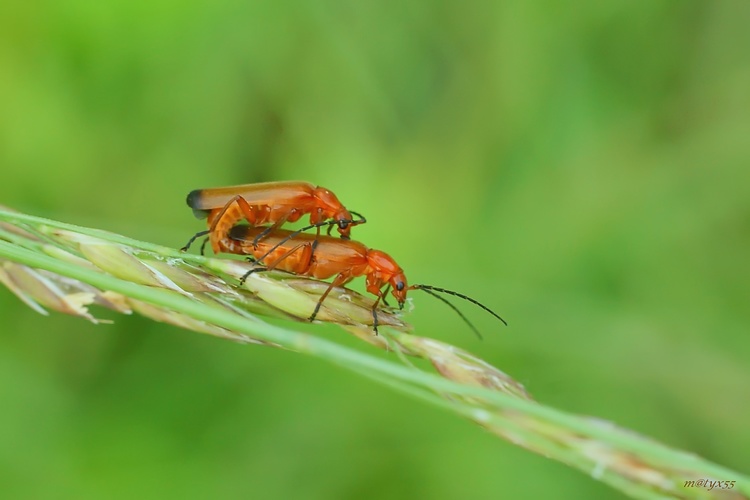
(194, 201)
(194, 198)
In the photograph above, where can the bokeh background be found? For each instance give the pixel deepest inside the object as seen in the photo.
(583, 169)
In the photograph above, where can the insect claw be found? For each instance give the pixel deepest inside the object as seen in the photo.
(248, 273)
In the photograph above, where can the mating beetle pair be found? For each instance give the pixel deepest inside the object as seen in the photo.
(318, 256)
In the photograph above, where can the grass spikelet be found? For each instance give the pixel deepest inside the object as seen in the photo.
(65, 268)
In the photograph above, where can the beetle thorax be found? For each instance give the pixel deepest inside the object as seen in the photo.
(327, 202)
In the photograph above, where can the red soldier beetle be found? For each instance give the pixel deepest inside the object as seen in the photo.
(324, 257)
(266, 203)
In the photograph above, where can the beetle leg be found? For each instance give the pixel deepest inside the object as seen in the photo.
(340, 280)
(268, 230)
(192, 239)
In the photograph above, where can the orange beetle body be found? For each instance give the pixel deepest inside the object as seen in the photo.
(321, 257)
(266, 203)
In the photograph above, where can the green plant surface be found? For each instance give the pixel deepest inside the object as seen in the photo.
(581, 169)
(189, 297)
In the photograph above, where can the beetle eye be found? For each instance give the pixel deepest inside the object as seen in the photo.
(400, 286)
(343, 224)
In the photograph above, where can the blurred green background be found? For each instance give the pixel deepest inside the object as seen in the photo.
(582, 169)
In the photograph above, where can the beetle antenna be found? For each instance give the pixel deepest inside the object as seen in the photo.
(361, 220)
(449, 304)
(459, 295)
